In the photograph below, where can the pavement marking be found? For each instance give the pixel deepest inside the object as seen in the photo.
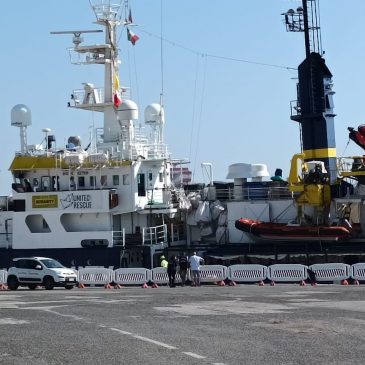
(195, 356)
(12, 321)
(158, 343)
(51, 309)
(117, 330)
(145, 339)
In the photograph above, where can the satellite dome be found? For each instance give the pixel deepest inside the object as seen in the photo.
(74, 140)
(128, 110)
(21, 116)
(154, 114)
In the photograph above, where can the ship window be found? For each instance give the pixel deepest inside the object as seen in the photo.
(72, 183)
(115, 179)
(126, 179)
(160, 176)
(85, 222)
(95, 243)
(81, 181)
(46, 183)
(150, 176)
(104, 180)
(54, 183)
(37, 224)
(141, 186)
(19, 205)
(92, 181)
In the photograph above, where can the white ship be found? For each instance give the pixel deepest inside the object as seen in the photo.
(121, 200)
(85, 205)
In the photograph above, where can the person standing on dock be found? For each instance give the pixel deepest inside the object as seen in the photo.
(171, 270)
(183, 267)
(195, 262)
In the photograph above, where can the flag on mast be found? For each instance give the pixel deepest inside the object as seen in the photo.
(132, 37)
(117, 100)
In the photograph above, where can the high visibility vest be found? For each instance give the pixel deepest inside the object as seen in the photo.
(164, 263)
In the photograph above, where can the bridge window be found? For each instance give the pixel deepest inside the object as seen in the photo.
(115, 179)
(92, 181)
(126, 179)
(81, 181)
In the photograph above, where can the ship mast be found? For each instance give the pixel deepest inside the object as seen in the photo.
(313, 108)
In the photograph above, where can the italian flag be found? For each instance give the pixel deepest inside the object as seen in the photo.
(132, 37)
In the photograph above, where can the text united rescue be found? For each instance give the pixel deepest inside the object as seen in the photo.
(82, 201)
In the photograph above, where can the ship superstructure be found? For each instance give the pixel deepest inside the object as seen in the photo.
(116, 192)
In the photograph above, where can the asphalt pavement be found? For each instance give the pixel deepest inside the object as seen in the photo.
(246, 324)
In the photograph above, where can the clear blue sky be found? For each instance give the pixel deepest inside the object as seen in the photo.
(239, 114)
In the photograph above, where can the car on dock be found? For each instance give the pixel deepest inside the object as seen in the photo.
(39, 271)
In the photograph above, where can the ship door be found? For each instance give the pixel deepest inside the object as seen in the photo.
(141, 184)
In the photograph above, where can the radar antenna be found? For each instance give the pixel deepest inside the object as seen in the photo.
(77, 39)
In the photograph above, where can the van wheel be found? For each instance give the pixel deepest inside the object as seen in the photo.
(13, 283)
(69, 287)
(48, 283)
(32, 286)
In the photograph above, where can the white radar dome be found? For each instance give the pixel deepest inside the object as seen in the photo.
(154, 114)
(128, 110)
(21, 116)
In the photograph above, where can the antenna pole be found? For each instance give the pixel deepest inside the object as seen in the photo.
(306, 29)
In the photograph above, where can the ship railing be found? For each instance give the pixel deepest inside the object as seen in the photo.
(93, 96)
(155, 196)
(106, 11)
(249, 194)
(149, 150)
(351, 165)
(119, 238)
(159, 197)
(154, 235)
(295, 109)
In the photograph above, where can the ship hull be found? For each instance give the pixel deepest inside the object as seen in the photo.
(115, 257)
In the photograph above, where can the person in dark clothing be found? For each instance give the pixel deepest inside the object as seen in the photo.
(312, 277)
(183, 267)
(171, 270)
